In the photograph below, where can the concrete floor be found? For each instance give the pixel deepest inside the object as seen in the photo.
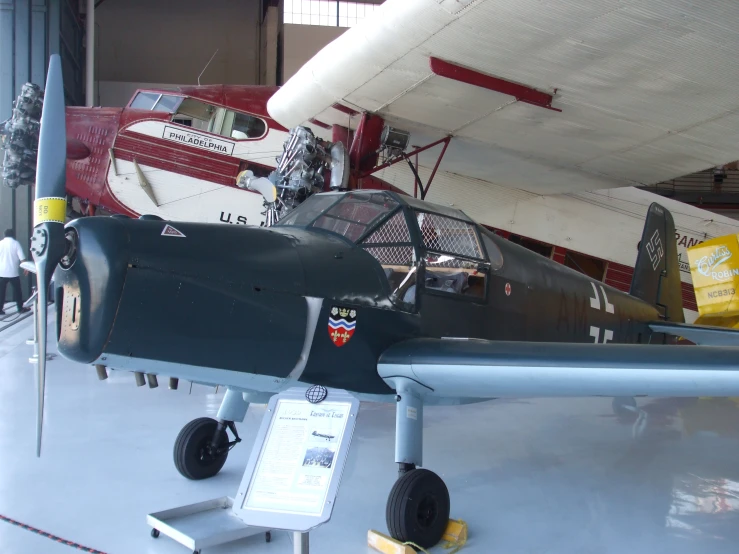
(528, 476)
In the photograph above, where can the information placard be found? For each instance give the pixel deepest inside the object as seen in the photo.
(295, 467)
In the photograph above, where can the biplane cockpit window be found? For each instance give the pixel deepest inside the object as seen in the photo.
(145, 100)
(202, 115)
(198, 115)
(167, 103)
(454, 258)
(156, 102)
(242, 126)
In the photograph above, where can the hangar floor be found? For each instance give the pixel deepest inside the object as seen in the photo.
(528, 476)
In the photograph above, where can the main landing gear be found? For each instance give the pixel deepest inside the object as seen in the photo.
(417, 508)
(202, 447)
(203, 444)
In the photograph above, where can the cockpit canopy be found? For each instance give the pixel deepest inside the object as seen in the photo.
(201, 115)
(408, 237)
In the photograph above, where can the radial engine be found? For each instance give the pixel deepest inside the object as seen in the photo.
(302, 166)
(301, 171)
(19, 137)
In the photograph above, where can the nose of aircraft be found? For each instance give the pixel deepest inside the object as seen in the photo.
(88, 285)
(208, 295)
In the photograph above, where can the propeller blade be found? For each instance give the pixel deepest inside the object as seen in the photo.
(41, 367)
(51, 162)
(48, 245)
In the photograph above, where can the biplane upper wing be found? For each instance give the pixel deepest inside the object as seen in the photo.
(452, 368)
(646, 89)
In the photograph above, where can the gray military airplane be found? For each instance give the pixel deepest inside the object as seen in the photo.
(386, 296)
(323, 436)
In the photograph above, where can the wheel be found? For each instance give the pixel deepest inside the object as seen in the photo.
(268, 536)
(192, 453)
(624, 406)
(418, 508)
(155, 533)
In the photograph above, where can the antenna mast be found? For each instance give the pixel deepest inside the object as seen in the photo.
(206, 65)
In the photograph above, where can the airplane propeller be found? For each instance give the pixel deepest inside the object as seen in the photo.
(48, 244)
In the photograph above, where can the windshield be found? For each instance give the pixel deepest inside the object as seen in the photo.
(350, 215)
(309, 210)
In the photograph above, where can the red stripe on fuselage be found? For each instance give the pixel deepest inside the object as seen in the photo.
(177, 158)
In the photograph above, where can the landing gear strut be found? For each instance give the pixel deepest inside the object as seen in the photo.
(417, 508)
(203, 444)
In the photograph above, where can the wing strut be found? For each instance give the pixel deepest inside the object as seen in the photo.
(414, 168)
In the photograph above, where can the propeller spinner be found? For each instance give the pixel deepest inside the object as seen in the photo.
(48, 245)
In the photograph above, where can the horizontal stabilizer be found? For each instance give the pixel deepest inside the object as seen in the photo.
(452, 368)
(699, 334)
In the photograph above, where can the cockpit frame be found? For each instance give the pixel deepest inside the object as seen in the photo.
(438, 246)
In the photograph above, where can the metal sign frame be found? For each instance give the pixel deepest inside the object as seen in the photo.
(283, 519)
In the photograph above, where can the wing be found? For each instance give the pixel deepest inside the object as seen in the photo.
(451, 368)
(699, 334)
(645, 89)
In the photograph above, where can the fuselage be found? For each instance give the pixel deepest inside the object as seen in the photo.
(190, 144)
(258, 307)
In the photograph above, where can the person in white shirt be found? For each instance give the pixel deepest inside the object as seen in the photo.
(11, 256)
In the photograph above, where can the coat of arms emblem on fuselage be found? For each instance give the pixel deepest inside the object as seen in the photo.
(341, 324)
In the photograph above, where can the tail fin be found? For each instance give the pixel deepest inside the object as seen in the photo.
(657, 273)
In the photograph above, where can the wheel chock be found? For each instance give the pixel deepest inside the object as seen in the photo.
(455, 535)
(387, 545)
(454, 538)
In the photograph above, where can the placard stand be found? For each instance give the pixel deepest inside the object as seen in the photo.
(301, 543)
(291, 481)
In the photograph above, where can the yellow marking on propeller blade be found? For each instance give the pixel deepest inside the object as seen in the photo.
(49, 210)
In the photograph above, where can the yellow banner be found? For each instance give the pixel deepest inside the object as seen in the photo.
(49, 210)
(714, 266)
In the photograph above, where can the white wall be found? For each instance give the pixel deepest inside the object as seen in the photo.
(302, 42)
(170, 41)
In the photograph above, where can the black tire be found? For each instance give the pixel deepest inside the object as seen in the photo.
(418, 508)
(621, 405)
(191, 456)
(155, 533)
(268, 536)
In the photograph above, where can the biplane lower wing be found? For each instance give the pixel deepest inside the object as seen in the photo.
(454, 368)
